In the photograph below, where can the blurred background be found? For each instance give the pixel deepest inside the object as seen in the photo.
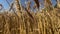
(5, 3)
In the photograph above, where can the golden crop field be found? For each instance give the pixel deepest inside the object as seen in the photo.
(45, 22)
(25, 21)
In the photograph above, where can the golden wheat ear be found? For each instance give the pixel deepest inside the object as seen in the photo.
(28, 5)
(47, 3)
(58, 3)
(37, 3)
(18, 8)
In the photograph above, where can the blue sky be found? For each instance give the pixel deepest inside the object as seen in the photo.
(6, 6)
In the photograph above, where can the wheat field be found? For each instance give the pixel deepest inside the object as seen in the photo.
(25, 21)
(45, 22)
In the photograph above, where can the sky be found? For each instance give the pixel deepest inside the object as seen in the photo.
(6, 6)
